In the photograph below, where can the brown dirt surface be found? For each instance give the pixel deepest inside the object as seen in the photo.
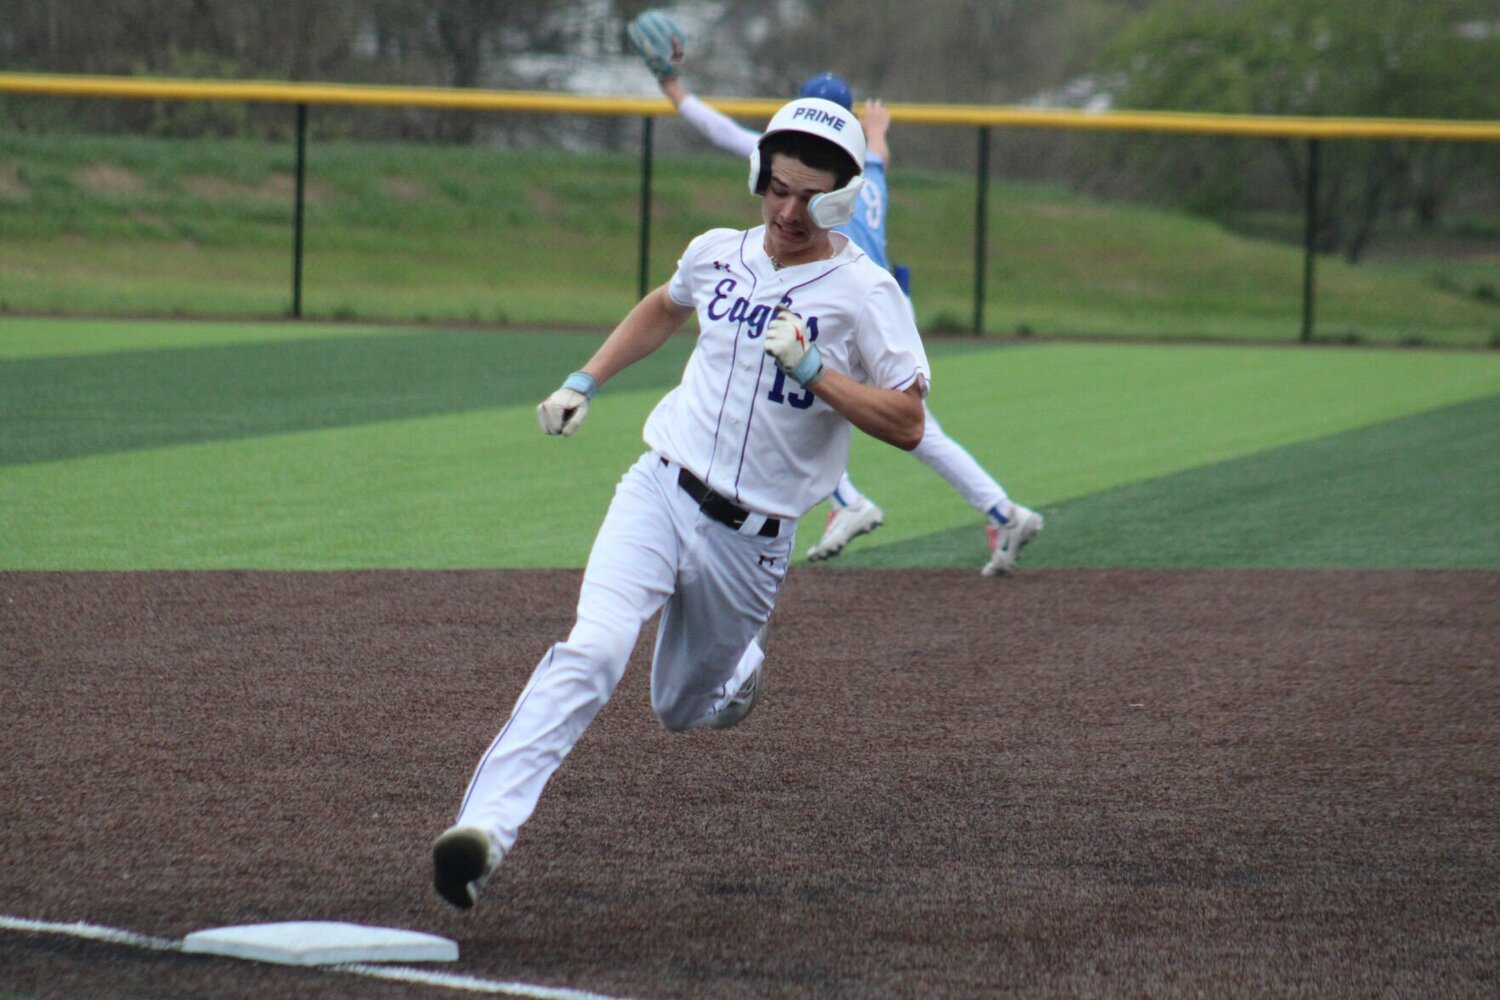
(278, 188)
(12, 186)
(1104, 783)
(109, 178)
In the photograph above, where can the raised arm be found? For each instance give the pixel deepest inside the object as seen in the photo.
(877, 122)
(715, 126)
(672, 88)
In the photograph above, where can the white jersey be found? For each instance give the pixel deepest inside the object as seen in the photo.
(944, 455)
(736, 420)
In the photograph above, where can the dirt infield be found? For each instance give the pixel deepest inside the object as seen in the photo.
(1105, 783)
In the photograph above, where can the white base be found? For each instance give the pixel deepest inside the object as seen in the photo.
(320, 942)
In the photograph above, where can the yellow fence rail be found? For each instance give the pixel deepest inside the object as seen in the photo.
(1313, 130)
(1261, 126)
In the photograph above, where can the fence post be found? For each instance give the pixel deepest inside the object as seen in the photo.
(298, 214)
(645, 249)
(981, 227)
(1309, 240)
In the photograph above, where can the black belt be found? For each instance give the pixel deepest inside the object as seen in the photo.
(720, 509)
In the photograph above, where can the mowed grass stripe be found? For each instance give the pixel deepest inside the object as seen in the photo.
(484, 488)
(1416, 493)
(1056, 422)
(50, 336)
(65, 407)
(470, 490)
(147, 386)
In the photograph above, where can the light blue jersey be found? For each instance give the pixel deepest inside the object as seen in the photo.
(867, 228)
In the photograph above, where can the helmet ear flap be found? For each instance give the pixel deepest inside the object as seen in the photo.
(757, 182)
(835, 208)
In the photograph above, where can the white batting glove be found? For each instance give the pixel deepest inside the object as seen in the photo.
(787, 342)
(564, 410)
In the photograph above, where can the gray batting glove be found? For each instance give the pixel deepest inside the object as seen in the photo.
(564, 410)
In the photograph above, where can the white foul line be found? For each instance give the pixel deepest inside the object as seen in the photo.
(469, 983)
(90, 932)
(448, 980)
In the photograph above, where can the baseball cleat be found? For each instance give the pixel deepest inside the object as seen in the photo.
(845, 524)
(463, 859)
(1007, 540)
(743, 702)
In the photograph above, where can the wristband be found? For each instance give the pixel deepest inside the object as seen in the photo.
(582, 382)
(810, 368)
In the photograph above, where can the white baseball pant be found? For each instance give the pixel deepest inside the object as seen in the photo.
(656, 551)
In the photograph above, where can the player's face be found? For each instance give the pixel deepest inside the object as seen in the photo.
(791, 236)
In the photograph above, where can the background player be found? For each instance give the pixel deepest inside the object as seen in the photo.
(1008, 525)
(800, 335)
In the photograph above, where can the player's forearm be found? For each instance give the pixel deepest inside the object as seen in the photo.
(644, 329)
(877, 122)
(888, 415)
(673, 90)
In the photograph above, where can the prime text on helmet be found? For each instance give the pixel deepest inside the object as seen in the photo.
(820, 117)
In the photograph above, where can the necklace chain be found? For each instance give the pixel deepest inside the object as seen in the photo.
(777, 264)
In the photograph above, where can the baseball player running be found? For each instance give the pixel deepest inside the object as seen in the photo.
(800, 336)
(1008, 525)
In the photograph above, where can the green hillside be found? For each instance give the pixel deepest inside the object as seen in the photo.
(459, 234)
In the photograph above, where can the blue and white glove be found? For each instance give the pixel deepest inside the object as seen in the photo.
(659, 41)
(787, 342)
(564, 410)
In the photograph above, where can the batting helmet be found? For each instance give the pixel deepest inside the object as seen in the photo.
(833, 124)
(830, 88)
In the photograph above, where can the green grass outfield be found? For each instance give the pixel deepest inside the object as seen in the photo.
(323, 446)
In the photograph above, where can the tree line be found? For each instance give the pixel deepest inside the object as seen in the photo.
(1380, 58)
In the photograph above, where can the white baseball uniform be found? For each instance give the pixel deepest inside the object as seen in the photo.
(768, 448)
(938, 451)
